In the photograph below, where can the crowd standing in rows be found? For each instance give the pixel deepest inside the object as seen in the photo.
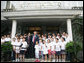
(47, 47)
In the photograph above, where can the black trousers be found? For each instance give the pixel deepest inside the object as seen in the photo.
(13, 55)
(30, 53)
(27, 55)
(32, 50)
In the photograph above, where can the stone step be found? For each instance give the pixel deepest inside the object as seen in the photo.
(30, 60)
(33, 59)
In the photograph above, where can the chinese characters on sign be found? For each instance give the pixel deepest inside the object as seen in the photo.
(40, 5)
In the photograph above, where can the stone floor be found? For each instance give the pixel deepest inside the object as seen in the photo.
(30, 60)
(33, 59)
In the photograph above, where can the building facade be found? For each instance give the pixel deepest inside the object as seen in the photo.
(43, 16)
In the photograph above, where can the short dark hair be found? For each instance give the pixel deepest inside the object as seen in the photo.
(23, 38)
(18, 38)
(57, 38)
(36, 41)
(63, 38)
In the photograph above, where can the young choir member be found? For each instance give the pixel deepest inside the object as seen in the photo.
(47, 48)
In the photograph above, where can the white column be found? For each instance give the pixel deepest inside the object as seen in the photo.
(8, 5)
(14, 24)
(69, 29)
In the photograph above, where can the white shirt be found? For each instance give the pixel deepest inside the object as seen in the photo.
(57, 45)
(50, 39)
(36, 48)
(7, 39)
(16, 39)
(20, 40)
(60, 40)
(2, 40)
(52, 44)
(43, 38)
(68, 39)
(17, 45)
(46, 40)
(13, 43)
(63, 45)
(54, 40)
(57, 37)
(44, 47)
(48, 46)
(41, 46)
(45, 50)
(24, 44)
(64, 36)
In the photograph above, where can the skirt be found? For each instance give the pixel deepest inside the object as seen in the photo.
(53, 52)
(17, 51)
(58, 52)
(22, 51)
(49, 52)
(63, 52)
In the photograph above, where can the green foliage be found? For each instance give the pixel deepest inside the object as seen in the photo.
(6, 49)
(69, 47)
(73, 47)
(77, 29)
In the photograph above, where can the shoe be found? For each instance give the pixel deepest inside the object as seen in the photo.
(49, 61)
(63, 60)
(42, 60)
(37, 60)
(53, 60)
(56, 60)
(16, 60)
(13, 60)
(59, 60)
(45, 61)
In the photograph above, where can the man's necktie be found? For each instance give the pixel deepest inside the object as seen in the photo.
(34, 39)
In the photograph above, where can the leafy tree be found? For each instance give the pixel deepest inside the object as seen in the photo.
(77, 29)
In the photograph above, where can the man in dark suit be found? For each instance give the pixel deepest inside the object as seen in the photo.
(28, 40)
(34, 39)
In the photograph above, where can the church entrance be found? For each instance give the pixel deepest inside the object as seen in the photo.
(35, 28)
(42, 26)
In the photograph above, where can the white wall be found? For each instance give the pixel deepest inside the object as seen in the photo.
(26, 5)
